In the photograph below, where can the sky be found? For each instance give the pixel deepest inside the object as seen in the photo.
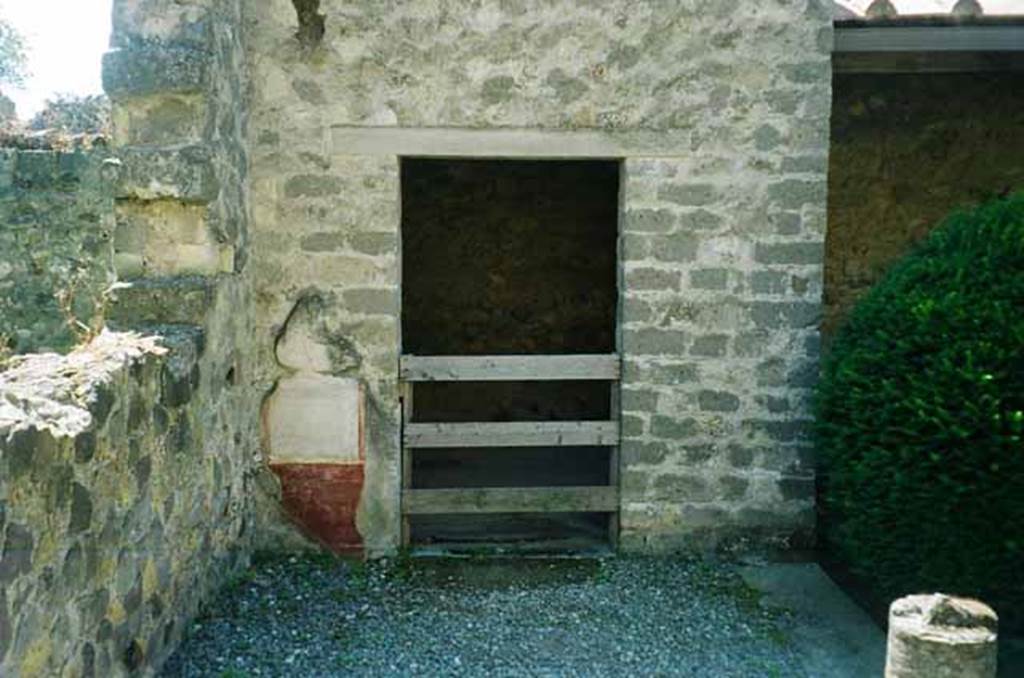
(67, 38)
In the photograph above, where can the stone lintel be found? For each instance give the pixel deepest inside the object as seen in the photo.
(508, 142)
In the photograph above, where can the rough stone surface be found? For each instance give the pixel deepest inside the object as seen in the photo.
(56, 231)
(737, 95)
(939, 636)
(114, 549)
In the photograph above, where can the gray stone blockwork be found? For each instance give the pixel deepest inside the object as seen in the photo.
(252, 219)
(128, 480)
(719, 113)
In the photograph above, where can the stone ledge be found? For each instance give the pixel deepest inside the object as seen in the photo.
(162, 301)
(150, 68)
(185, 174)
(61, 394)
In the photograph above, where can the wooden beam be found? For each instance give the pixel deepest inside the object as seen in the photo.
(993, 38)
(926, 62)
(513, 434)
(511, 500)
(406, 391)
(593, 367)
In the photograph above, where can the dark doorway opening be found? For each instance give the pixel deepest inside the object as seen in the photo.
(510, 258)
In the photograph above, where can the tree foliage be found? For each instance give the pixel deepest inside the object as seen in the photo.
(13, 59)
(74, 114)
(920, 418)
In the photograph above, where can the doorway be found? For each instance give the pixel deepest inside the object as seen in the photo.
(510, 367)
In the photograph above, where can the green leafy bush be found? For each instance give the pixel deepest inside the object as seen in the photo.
(920, 418)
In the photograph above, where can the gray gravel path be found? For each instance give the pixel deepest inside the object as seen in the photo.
(474, 617)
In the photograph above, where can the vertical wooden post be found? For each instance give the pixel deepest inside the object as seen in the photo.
(614, 413)
(406, 398)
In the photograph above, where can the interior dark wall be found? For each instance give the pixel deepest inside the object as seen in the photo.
(508, 257)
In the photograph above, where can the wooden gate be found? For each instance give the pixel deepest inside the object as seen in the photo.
(497, 435)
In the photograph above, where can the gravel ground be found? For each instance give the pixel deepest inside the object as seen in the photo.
(476, 617)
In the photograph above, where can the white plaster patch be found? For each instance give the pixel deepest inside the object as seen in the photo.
(314, 418)
(299, 349)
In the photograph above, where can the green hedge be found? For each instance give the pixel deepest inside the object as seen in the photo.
(920, 415)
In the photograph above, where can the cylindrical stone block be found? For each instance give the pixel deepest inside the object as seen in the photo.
(939, 636)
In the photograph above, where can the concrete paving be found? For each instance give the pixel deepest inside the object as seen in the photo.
(833, 637)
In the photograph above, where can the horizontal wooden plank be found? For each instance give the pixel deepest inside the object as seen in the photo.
(511, 500)
(513, 434)
(930, 39)
(602, 367)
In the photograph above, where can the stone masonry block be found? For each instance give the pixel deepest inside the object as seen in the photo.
(709, 278)
(652, 279)
(178, 300)
(374, 244)
(313, 186)
(371, 301)
(717, 401)
(636, 310)
(153, 68)
(699, 220)
(750, 344)
(692, 488)
(781, 431)
(792, 253)
(164, 119)
(185, 174)
(650, 220)
(651, 341)
(639, 452)
(786, 223)
(632, 425)
(732, 488)
(694, 195)
(673, 428)
(769, 282)
(662, 374)
(773, 404)
(323, 241)
(638, 400)
(635, 247)
(710, 345)
(795, 193)
(678, 247)
(784, 315)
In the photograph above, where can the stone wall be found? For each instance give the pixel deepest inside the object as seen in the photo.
(124, 499)
(129, 482)
(906, 150)
(720, 113)
(56, 234)
(178, 82)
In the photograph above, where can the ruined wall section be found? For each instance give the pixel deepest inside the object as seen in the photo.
(119, 506)
(131, 477)
(720, 111)
(56, 234)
